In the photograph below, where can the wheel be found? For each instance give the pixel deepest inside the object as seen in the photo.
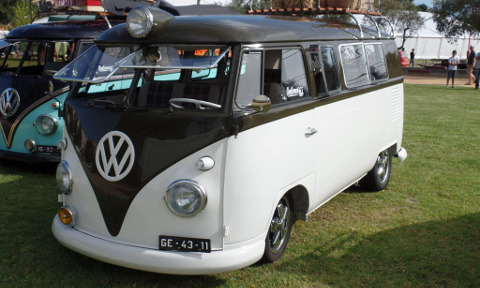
(378, 178)
(198, 103)
(279, 231)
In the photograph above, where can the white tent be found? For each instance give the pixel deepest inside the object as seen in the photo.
(431, 44)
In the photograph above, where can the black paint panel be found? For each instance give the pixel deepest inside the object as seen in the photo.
(160, 139)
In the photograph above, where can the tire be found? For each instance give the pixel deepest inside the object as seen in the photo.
(377, 179)
(279, 231)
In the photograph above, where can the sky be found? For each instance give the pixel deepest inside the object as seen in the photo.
(192, 2)
(427, 2)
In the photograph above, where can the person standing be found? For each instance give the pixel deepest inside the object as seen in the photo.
(470, 65)
(477, 69)
(412, 57)
(452, 67)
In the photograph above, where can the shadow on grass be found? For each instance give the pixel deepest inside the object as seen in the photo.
(11, 166)
(431, 254)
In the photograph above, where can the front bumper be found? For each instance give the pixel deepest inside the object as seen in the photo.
(31, 157)
(231, 258)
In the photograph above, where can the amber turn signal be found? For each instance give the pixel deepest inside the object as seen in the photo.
(66, 215)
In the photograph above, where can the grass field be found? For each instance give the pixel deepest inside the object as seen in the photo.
(423, 231)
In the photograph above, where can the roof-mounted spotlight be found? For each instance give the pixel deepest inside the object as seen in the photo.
(142, 20)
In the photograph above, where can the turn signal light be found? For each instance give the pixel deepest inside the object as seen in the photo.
(66, 215)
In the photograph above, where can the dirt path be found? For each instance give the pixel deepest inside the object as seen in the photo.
(460, 80)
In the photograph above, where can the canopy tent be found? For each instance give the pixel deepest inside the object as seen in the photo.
(431, 44)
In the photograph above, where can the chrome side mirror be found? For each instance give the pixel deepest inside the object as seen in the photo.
(50, 90)
(261, 103)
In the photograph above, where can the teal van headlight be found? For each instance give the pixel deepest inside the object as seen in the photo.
(46, 124)
(186, 198)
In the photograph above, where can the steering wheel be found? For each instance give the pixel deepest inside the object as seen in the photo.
(175, 103)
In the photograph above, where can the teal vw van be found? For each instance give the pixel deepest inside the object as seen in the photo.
(29, 97)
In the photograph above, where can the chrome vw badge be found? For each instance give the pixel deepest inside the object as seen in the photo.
(9, 102)
(114, 156)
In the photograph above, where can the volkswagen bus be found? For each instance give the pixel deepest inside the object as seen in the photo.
(192, 144)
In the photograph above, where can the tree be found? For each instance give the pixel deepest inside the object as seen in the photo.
(404, 16)
(22, 14)
(455, 17)
(423, 7)
(6, 11)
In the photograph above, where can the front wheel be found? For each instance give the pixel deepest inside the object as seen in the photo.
(279, 231)
(378, 178)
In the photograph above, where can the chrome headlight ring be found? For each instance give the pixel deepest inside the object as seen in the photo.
(64, 177)
(142, 20)
(139, 22)
(46, 125)
(186, 198)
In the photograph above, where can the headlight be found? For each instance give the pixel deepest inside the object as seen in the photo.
(64, 177)
(186, 198)
(141, 20)
(46, 124)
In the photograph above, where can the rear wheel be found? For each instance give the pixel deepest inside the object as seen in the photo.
(279, 231)
(377, 179)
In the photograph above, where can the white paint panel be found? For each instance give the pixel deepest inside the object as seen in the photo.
(261, 162)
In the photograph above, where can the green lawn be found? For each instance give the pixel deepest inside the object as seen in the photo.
(423, 231)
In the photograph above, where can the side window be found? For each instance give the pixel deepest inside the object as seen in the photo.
(354, 65)
(330, 68)
(324, 67)
(376, 62)
(249, 79)
(316, 65)
(284, 76)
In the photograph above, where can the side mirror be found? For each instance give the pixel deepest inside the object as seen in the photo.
(51, 88)
(261, 103)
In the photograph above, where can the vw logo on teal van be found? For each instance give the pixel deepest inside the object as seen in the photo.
(9, 102)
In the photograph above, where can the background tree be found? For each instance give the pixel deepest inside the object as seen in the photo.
(423, 7)
(22, 14)
(6, 10)
(455, 17)
(404, 16)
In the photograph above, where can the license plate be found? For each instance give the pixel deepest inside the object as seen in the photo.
(47, 149)
(170, 243)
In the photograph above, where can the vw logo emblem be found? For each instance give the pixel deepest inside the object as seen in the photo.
(114, 156)
(9, 102)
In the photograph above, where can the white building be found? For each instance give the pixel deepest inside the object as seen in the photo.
(431, 44)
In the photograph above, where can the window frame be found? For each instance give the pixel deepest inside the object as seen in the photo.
(384, 59)
(319, 52)
(366, 64)
(263, 50)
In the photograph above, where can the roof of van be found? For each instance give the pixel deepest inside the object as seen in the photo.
(88, 29)
(242, 28)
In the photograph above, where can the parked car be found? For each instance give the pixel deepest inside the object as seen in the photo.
(29, 97)
(404, 59)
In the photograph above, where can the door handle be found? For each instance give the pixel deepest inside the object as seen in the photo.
(310, 131)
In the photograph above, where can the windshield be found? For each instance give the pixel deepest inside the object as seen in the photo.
(36, 57)
(172, 77)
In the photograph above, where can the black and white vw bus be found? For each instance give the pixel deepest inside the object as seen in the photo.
(192, 144)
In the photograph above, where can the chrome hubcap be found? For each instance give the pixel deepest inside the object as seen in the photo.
(279, 226)
(383, 166)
